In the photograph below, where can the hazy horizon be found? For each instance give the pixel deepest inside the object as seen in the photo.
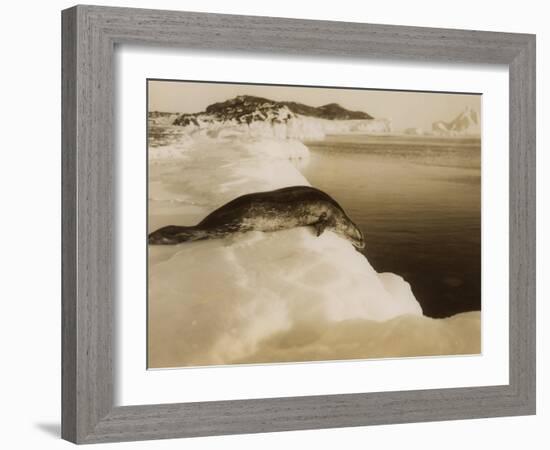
(406, 109)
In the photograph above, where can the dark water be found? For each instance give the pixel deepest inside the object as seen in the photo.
(417, 201)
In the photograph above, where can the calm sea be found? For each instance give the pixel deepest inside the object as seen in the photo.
(417, 201)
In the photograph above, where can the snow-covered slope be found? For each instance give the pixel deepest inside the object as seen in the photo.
(466, 123)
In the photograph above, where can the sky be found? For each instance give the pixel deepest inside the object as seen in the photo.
(406, 109)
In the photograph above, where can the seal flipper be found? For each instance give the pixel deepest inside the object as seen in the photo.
(321, 224)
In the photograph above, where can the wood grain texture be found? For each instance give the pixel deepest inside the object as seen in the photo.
(89, 37)
(88, 209)
(68, 225)
(523, 225)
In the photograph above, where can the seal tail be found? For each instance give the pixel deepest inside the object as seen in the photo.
(173, 234)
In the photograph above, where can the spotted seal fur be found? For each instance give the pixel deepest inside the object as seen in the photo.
(281, 209)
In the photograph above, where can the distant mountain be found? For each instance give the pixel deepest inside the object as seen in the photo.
(245, 109)
(466, 123)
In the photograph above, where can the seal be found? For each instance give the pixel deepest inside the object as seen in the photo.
(281, 209)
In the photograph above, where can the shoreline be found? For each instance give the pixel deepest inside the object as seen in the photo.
(276, 283)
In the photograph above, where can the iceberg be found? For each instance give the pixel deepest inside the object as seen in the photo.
(467, 123)
(413, 131)
(298, 127)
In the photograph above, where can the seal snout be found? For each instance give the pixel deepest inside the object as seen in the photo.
(353, 233)
(357, 239)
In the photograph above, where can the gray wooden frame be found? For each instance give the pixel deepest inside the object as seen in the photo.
(89, 37)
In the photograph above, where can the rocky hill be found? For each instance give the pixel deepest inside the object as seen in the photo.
(247, 109)
(258, 116)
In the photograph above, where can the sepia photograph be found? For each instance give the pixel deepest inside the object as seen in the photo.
(295, 224)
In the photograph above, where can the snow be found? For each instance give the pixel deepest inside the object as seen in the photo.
(466, 123)
(267, 297)
(298, 127)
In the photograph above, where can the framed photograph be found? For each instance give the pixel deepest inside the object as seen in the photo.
(268, 230)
